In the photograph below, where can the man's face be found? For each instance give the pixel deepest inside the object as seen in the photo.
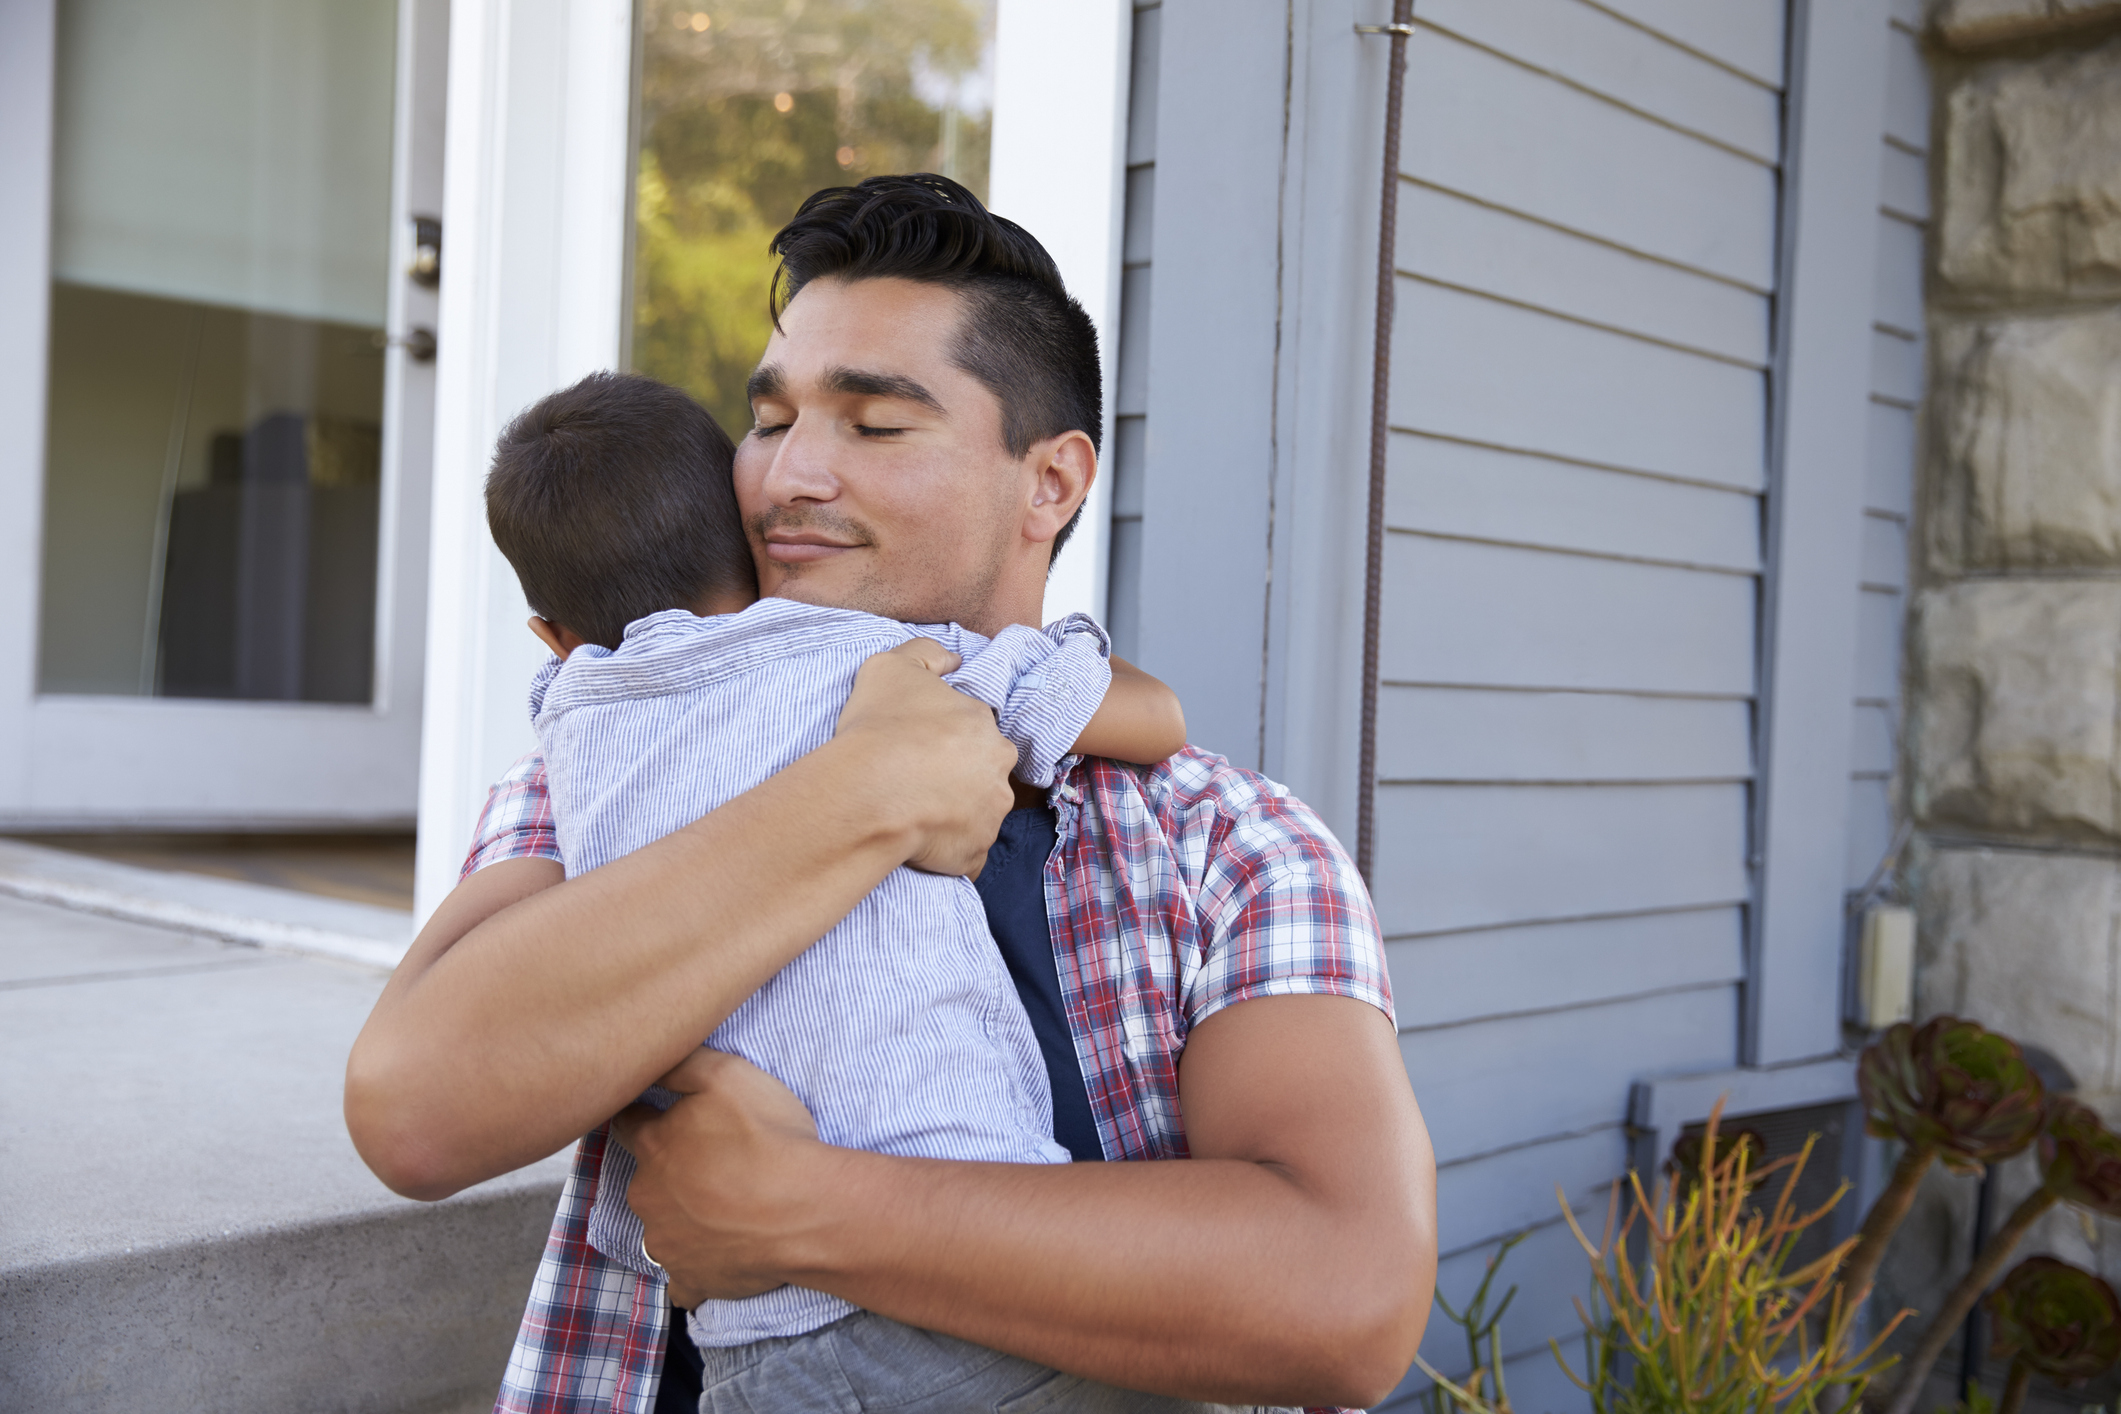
(875, 477)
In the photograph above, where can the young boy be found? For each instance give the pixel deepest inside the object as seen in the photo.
(675, 688)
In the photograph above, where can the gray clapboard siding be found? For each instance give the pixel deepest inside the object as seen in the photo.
(1498, 972)
(1456, 241)
(1482, 1199)
(1499, 616)
(1904, 183)
(1889, 483)
(1455, 488)
(1884, 552)
(1484, 371)
(1907, 89)
(1476, 734)
(1491, 129)
(1745, 35)
(1878, 615)
(1127, 462)
(1597, 50)
(1896, 367)
(1874, 748)
(1458, 857)
(1492, 1084)
(1535, 1381)
(1870, 827)
(1899, 272)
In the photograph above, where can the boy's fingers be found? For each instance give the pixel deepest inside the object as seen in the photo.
(930, 655)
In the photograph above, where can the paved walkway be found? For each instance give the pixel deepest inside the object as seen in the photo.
(184, 1223)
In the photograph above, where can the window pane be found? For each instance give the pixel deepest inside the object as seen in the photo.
(214, 429)
(749, 106)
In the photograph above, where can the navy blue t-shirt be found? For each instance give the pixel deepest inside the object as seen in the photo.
(1013, 887)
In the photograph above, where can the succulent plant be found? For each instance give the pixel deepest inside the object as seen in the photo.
(1952, 1087)
(1949, 1089)
(2080, 1158)
(2080, 1162)
(2061, 1321)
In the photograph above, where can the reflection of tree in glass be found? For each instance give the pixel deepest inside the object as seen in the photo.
(747, 107)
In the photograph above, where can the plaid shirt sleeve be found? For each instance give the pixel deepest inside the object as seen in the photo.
(517, 820)
(1284, 913)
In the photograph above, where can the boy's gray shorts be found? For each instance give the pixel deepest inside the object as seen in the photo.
(866, 1362)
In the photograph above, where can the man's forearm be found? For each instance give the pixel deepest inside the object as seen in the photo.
(1289, 1261)
(1260, 1292)
(543, 1020)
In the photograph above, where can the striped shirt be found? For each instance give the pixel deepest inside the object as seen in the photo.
(1173, 891)
(900, 1030)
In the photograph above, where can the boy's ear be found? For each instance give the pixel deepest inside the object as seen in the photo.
(561, 641)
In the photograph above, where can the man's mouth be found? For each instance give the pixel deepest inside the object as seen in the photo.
(800, 547)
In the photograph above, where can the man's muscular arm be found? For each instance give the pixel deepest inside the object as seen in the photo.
(529, 1011)
(1289, 1261)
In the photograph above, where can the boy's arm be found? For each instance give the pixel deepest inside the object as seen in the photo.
(1141, 720)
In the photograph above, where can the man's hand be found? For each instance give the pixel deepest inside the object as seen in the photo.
(717, 1172)
(955, 794)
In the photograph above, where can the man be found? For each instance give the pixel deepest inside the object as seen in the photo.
(1201, 965)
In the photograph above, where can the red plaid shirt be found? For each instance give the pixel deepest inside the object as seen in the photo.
(1173, 892)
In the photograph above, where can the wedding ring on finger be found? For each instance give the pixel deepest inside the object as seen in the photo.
(649, 1258)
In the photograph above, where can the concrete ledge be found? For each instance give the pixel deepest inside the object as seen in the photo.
(405, 1312)
(184, 1223)
(236, 912)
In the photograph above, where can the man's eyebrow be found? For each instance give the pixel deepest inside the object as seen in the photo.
(861, 383)
(765, 382)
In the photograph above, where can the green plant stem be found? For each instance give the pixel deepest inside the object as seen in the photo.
(1861, 1268)
(2014, 1389)
(1953, 1314)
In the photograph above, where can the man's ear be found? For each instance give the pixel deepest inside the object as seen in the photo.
(1067, 469)
(562, 641)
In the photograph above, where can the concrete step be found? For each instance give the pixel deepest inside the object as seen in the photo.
(184, 1223)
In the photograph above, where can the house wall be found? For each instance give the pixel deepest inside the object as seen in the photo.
(2014, 628)
(1593, 400)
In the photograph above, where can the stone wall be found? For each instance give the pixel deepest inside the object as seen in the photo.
(2012, 764)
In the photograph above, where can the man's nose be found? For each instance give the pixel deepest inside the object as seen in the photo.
(802, 464)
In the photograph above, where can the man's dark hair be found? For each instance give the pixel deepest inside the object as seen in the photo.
(613, 501)
(1023, 337)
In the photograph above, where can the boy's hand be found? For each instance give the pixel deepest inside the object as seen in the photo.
(942, 768)
(718, 1174)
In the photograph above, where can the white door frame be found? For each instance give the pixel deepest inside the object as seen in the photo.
(138, 762)
(1059, 170)
(533, 297)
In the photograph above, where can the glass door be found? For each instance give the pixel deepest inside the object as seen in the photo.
(237, 412)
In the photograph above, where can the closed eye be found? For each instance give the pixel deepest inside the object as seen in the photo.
(768, 429)
(878, 431)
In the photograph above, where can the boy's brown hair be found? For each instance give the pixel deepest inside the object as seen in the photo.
(613, 501)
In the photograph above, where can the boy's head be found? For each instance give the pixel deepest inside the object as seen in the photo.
(613, 501)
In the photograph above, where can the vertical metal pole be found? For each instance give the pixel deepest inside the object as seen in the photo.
(1380, 401)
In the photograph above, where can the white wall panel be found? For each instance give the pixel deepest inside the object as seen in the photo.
(1445, 237)
(1477, 369)
(1873, 749)
(1498, 616)
(1899, 300)
(1471, 734)
(1622, 61)
(1481, 125)
(1870, 827)
(1476, 856)
(1907, 90)
(1460, 488)
(1456, 977)
(1486, 1086)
